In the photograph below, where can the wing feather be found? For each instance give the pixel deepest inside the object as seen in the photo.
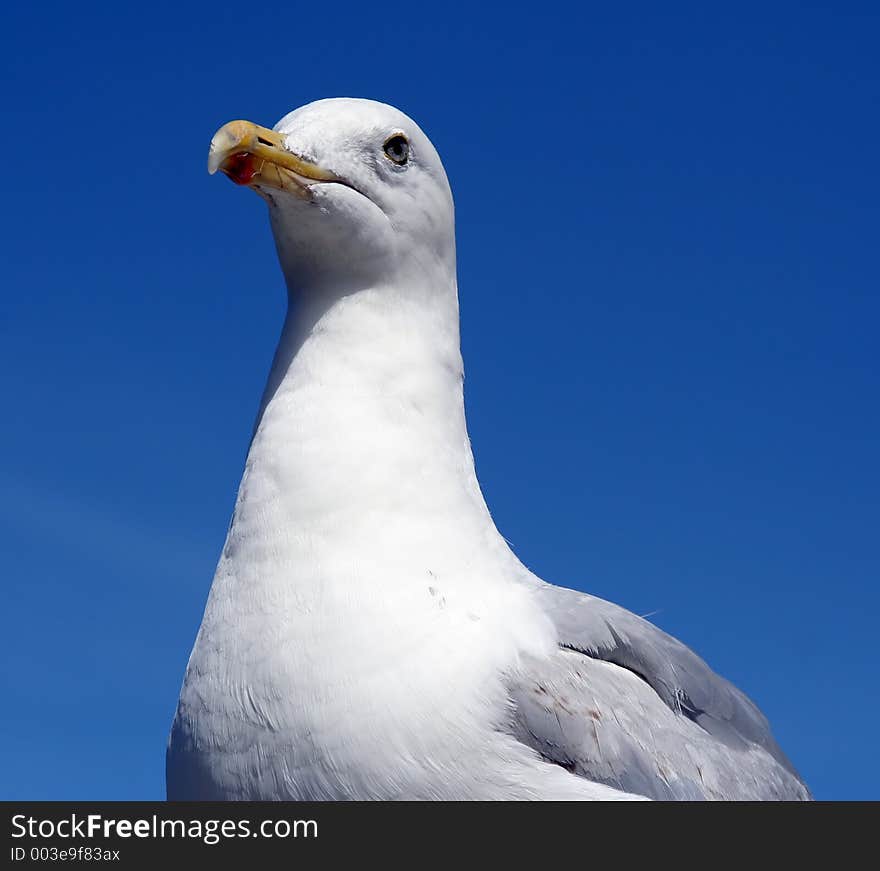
(625, 704)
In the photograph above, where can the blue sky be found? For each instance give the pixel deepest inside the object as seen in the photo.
(667, 225)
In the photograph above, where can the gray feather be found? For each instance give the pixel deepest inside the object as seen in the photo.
(624, 703)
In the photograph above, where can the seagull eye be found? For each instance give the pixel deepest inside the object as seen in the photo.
(397, 149)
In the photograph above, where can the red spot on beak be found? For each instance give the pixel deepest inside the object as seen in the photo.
(241, 168)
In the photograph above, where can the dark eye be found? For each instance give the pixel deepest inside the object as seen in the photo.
(397, 149)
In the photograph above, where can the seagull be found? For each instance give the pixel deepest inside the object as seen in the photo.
(369, 634)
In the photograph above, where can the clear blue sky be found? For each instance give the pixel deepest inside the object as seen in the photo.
(668, 237)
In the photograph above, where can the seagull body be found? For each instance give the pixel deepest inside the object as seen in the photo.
(369, 634)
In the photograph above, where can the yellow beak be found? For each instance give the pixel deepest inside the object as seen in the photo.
(255, 156)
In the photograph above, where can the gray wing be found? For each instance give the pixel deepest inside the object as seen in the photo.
(623, 703)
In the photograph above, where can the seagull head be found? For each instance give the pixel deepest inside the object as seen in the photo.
(357, 193)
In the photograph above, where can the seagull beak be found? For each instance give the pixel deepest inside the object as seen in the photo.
(255, 156)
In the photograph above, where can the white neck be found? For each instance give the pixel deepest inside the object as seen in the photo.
(361, 447)
(362, 571)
